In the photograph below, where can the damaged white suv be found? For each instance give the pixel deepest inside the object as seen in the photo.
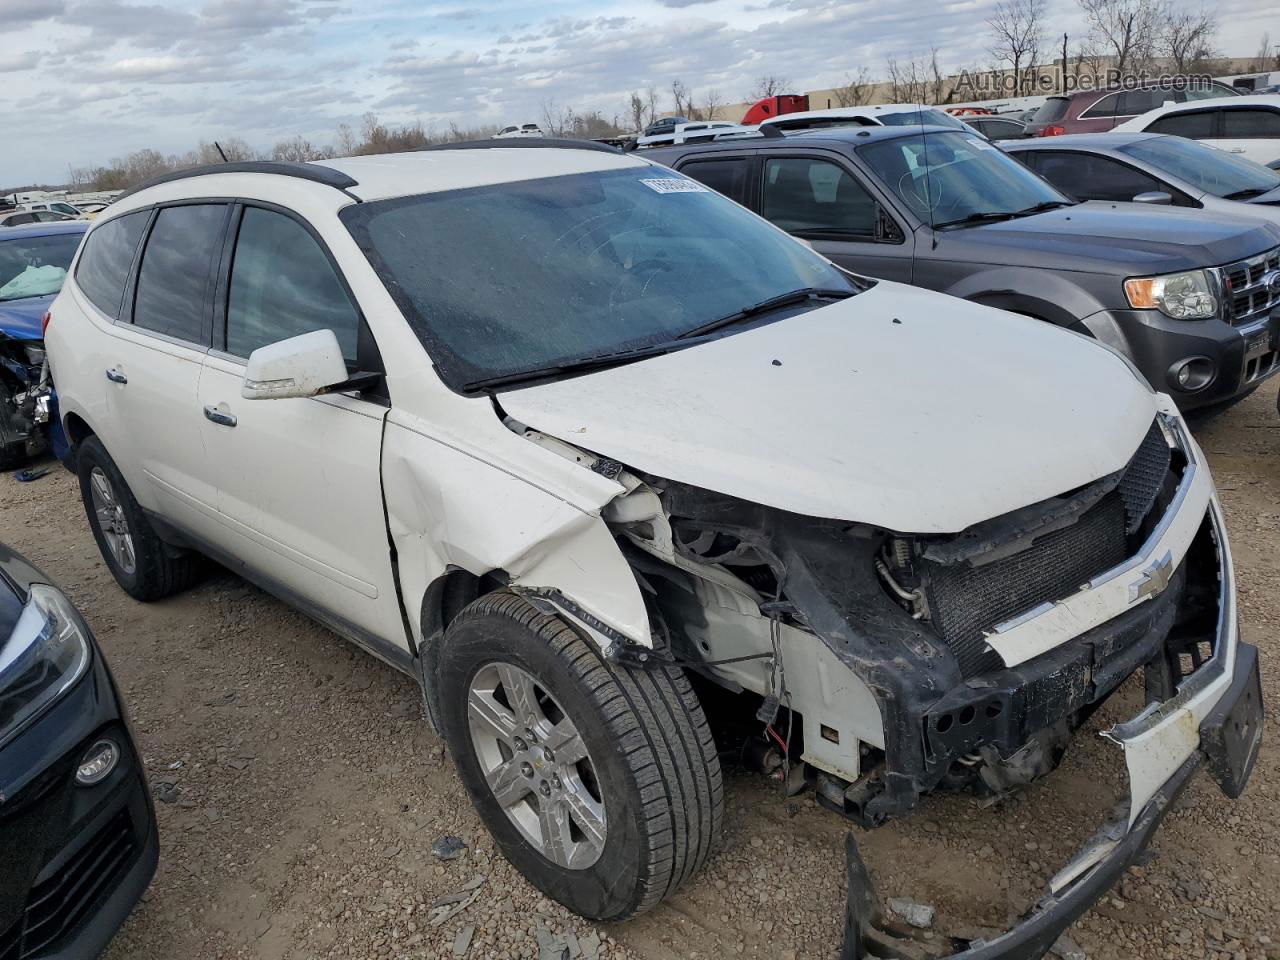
(555, 430)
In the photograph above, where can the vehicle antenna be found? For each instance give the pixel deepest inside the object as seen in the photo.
(928, 192)
(218, 146)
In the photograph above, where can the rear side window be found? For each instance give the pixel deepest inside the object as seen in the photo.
(173, 281)
(104, 265)
(723, 176)
(1193, 126)
(283, 285)
(1108, 106)
(1244, 124)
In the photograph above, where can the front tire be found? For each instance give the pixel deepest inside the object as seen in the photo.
(600, 783)
(134, 554)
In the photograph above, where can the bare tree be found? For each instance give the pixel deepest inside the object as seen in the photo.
(558, 121)
(768, 85)
(637, 111)
(856, 89)
(683, 99)
(299, 149)
(711, 104)
(347, 142)
(937, 80)
(907, 81)
(1263, 60)
(1017, 36)
(651, 103)
(1125, 30)
(1187, 40)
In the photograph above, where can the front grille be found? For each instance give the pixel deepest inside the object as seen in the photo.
(1144, 476)
(10, 941)
(967, 601)
(57, 905)
(1248, 298)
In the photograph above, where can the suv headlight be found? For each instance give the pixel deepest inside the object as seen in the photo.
(1182, 296)
(43, 657)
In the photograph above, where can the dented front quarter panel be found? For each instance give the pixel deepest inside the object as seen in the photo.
(494, 502)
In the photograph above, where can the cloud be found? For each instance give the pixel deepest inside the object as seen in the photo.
(20, 13)
(23, 61)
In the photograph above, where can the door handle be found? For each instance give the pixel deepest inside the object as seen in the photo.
(220, 417)
(116, 375)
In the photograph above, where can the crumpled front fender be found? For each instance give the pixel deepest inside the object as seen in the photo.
(450, 510)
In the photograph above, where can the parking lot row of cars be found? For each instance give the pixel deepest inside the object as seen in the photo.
(609, 458)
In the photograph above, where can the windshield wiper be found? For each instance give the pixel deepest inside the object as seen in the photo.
(994, 216)
(764, 306)
(987, 216)
(1047, 205)
(1248, 194)
(581, 365)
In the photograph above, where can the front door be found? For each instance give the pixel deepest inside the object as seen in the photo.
(823, 202)
(299, 484)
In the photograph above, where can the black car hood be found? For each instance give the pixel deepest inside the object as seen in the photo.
(1125, 239)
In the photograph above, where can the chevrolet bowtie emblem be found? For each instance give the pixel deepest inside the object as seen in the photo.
(1153, 579)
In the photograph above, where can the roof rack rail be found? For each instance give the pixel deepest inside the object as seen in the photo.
(523, 143)
(284, 168)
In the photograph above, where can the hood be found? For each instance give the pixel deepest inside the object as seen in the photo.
(1124, 239)
(20, 319)
(899, 407)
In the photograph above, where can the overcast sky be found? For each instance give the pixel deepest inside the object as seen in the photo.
(87, 80)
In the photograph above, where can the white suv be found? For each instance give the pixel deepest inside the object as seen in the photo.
(554, 430)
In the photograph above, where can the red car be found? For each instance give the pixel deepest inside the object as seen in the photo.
(1096, 111)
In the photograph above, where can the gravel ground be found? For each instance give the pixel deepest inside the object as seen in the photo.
(300, 791)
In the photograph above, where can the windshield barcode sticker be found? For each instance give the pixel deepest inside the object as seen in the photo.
(674, 185)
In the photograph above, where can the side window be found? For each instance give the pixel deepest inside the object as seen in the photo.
(283, 285)
(1089, 177)
(1106, 107)
(173, 281)
(1194, 126)
(724, 176)
(1134, 102)
(103, 269)
(1244, 124)
(805, 196)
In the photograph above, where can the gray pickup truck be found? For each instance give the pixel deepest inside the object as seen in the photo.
(946, 210)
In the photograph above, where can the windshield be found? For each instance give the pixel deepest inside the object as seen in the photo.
(516, 277)
(35, 266)
(949, 177)
(1213, 171)
(920, 118)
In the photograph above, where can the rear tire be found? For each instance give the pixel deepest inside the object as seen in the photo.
(134, 554)
(649, 799)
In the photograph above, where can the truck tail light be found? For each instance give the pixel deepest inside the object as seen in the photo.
(44, 323)
(1052, 131)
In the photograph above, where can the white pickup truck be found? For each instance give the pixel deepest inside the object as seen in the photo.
(555, 430)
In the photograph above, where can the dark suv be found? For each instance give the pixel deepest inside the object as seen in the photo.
(947, 210)
(1097, 111)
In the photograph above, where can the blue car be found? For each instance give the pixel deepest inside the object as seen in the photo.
(33, 262)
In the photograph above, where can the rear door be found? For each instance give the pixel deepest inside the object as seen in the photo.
(819, 199)
(1251, 131)
(153, 365)
(299, 487)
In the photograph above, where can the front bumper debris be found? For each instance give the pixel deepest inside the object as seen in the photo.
(1229, 738)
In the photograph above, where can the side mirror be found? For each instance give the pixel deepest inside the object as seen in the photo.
(301, 366)
(1154, 196)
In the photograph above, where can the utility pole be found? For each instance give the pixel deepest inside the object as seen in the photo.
(1064, 63)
